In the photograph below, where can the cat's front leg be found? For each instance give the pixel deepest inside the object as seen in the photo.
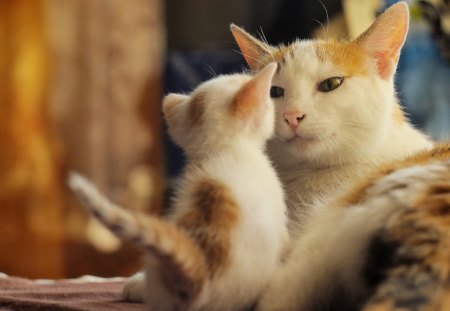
(134, 289)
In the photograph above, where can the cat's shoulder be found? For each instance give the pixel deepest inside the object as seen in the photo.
(405, 167)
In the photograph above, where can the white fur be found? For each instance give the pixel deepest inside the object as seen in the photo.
(332, 250)
(346, 132)
(353, 130)
(261, 234)
(231, 152)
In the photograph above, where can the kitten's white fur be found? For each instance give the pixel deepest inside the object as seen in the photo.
(228, 149)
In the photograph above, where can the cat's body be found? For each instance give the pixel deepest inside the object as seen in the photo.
(224, 239)
(337, 115)
(383, 244)
(338, 121)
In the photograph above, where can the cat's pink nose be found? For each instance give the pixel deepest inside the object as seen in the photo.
(293, 118)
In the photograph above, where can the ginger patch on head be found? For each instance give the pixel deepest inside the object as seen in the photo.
(214, 215)
(196, 109)
(280, 55)
(344, 55)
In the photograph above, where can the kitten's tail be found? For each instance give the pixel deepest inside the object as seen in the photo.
(179, 258)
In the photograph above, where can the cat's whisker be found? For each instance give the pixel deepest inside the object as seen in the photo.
(322, 26)
(258, 61)
(211, 71)
(328, 20)
(262, 36)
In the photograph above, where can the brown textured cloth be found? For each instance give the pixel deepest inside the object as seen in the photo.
(80, 294)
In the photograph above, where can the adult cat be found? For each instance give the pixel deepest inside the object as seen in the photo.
(382, 246)
(337, 115)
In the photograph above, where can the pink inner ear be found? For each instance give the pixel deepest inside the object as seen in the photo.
(386, 65)
(254, 92)
(245, 101)
(252, 49)
(385, 38)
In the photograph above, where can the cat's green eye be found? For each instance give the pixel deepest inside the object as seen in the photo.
(276, 92)
(330, 84)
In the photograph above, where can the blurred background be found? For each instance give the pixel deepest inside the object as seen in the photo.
(80, 89)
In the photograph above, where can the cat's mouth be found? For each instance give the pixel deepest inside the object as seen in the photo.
(301, 139)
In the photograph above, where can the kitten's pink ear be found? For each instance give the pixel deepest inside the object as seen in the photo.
(171, 104)
(252, 48)
(254, 92)
(385, 38)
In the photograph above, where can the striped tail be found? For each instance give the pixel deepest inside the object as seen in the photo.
(180, 261)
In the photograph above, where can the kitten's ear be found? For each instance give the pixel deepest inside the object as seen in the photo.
(254, 92)
(252, 48)
(171, 106)
(385, 38)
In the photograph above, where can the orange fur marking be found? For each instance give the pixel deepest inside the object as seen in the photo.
(196, 110)
(347, 56)
(210, 223)
(440, 152)
(383, 306)
(279, 55)
(423, 253)
(187, 275)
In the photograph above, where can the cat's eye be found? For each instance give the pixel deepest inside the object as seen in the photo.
(330, 84)
(276, 92)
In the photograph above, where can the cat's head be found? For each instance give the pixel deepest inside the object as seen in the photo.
(221, 111)
(334, 100)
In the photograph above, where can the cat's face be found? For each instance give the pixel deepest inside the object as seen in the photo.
(333, 99)
(221, 111)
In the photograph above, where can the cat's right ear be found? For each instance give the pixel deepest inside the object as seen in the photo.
(385, 38)
(252, 49)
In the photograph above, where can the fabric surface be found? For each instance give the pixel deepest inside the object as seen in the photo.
(85, 293)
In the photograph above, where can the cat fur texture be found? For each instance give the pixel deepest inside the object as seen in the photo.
(337, 113)
(227, 231)
(381, 246)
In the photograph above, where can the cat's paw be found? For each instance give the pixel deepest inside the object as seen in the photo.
(134, 289)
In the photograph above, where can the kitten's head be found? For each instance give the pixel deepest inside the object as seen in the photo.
(221, 111)
(334, 100)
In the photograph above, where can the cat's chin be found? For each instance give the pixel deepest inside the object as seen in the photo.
(301, 141)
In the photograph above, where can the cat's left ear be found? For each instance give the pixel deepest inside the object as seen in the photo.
(171, 107)
(254, 93)
(385, 38)
(252, 49)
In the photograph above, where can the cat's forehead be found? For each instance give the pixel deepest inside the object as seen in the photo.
(317, 56)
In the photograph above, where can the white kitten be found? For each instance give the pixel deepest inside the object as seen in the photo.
(225, 238)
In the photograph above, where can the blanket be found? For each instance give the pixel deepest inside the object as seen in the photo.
(85, 293)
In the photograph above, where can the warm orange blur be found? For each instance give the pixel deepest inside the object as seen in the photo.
(79, 90)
